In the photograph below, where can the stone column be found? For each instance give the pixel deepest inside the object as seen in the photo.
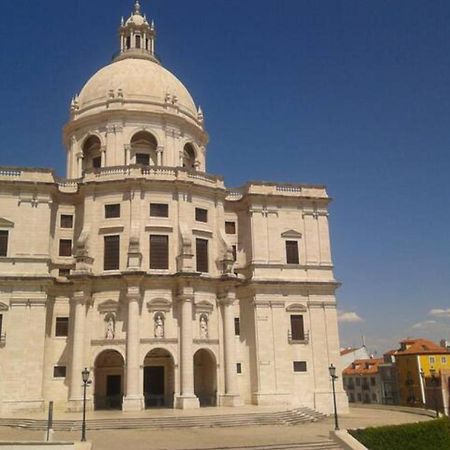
(133, 400)
(127, 148)
(79, 300)
(231, 396)
(79, 165)
(159, 155)
(103, 156)
(187, 398)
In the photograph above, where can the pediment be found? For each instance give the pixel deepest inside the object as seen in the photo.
(108, 306)
(296, 307)
(291, 234)
(5, 223)
(204, 306)
(3, 307)
(159, 304)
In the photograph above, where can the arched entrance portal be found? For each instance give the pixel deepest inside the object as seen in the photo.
(108, 378)
(205, 377)
(159, 379)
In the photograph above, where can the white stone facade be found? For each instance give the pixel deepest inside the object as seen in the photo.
(184, 335)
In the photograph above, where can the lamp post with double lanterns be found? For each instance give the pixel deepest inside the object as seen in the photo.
(86, 381)
(334, 377)
(435, 384)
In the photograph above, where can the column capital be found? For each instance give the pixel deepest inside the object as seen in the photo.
(160, 148)
(227, 298)
(133, 293)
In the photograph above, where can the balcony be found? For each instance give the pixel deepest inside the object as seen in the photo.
(292, 340)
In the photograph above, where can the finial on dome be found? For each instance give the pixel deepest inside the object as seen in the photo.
(137, 8)
(200, 116)
(122, 21)
(152, 26)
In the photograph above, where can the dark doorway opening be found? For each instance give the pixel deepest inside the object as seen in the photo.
(154, 386)
(113, 391)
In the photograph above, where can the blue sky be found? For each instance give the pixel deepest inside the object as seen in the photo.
(351, 94)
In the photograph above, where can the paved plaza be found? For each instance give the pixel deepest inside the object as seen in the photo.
(288, 436)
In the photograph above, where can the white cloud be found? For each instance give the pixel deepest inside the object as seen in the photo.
(440, 312)
(423, 324)
(349, 317)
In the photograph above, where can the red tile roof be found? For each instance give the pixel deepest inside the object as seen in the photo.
(420, 346)
(363, 367)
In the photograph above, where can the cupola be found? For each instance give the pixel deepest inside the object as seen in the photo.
(137, 36)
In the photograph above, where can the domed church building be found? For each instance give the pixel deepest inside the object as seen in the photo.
(170, 288)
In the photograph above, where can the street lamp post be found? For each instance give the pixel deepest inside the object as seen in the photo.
(86, 381)
(334, 377)
(435, 383)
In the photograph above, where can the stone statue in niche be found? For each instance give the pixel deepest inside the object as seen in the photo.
(204, 326)
(159, 325)
(110, 327)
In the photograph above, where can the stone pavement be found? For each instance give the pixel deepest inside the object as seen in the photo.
(308, 435)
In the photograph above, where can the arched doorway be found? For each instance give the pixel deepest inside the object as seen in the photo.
(159, 379)
(91, 153)
(108, 377)
(205, 377)
(189, 157)
(143, 145)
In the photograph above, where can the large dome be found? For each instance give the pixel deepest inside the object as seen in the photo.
(136, 79)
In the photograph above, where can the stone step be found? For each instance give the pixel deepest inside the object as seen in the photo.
(320, 445)
(290, 417)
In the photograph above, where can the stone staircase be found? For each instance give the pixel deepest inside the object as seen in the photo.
(288, 417)
(318, 445)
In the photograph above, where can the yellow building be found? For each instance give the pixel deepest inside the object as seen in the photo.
(418, 362)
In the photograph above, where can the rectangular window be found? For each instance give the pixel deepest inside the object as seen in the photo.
(59, 372)
(374, 397)
(97, 162)
(432, 360)
(111, 256)
(373, 382)
(138, 41)
(443, 360)
(63, 272)
(65, 247)
(359, 397)
(159, 251)
(62, 327)
(202, 255)
(143, 158)
(4, 242)
(1, 324)
(299, 366)
(233, 247)
(201, 215)
(66, 221)
(297, 328)
(230, 227)
(238, 368)
(112, 211)
(237, 326)
(351, 398)
(358, 381)
(292, 252)
(159, 210)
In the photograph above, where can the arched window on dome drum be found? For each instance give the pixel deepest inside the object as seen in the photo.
(91, 153)
(143, 147)
(128, 43)
(138, 41)
(189, 157)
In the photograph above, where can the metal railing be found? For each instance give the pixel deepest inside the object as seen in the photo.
(303, 339)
